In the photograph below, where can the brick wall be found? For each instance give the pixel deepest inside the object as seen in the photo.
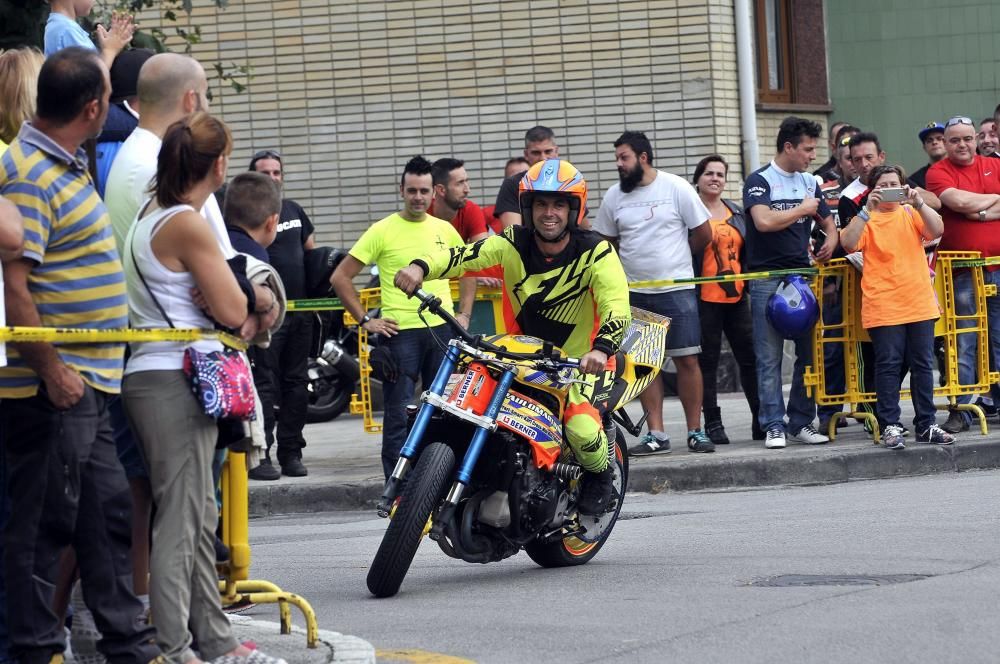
(348, 91)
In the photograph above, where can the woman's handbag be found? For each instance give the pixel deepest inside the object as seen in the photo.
(221, 380)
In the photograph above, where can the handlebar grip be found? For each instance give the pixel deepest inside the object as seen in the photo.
(433, 304)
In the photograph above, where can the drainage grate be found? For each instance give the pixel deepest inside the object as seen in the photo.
(805, 580)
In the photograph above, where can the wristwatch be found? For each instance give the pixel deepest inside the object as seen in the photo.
(364, 319)
(982, 215)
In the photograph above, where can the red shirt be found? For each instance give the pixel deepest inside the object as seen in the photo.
(982, 176)
(469, 220)
(492, 220)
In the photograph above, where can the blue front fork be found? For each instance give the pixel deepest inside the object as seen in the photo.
(416, 435)
(464, 475)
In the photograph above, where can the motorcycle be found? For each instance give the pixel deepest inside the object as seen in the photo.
(496, 404)
(333, 371)
(333, 368)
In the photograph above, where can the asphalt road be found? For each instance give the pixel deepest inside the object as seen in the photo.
(685, 579)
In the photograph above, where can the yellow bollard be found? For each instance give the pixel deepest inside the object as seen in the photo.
(236, 585)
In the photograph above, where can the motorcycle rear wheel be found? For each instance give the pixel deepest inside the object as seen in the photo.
(571, 550)
(426, 485)
(329, 397)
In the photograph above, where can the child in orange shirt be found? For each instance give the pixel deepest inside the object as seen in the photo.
(898, 303)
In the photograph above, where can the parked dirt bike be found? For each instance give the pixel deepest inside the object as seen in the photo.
(333, 371)
(333, 368)
(496, 405)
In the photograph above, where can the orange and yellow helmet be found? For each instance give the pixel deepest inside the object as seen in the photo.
(554, 177)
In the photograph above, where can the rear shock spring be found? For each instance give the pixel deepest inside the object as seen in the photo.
(567, 471)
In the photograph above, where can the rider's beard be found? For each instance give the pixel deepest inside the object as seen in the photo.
(630, 180)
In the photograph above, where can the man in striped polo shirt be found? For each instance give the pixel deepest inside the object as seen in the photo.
(66, 485)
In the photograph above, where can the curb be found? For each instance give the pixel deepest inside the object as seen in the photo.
(777, 468)
(829, 467)
(308, 498)
(344, 648)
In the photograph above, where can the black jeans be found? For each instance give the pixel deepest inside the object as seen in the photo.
(417, 357)
(894, 344)
(282, 383)
(66, 488)
(735, 321)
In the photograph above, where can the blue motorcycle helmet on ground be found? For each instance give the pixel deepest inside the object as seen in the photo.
(792, 310)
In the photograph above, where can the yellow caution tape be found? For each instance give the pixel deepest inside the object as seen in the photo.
(334, 304)
(977, 262)
(745, 276)
(56, 335)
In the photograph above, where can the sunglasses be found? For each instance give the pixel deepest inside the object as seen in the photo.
(267, 154)
(960, 119)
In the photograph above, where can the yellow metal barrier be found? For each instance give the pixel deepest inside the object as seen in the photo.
(849, 332)
(361, 404)
(236, 585)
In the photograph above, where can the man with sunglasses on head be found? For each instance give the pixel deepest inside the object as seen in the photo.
(968, 185)
(287, 357)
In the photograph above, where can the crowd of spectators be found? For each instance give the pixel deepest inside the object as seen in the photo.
(116, 211)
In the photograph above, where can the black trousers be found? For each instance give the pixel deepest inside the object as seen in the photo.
(735, 321)
(281, 383)
(66, 488)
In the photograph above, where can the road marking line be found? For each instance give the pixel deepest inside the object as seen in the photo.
(420, 657)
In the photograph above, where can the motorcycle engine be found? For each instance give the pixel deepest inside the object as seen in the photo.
(544, 501)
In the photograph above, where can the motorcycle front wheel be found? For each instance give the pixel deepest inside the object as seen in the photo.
(426, 485)
(572, 550)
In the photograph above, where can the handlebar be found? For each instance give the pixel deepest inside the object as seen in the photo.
(432, 303)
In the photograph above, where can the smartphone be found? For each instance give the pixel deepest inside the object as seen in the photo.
(893, 194)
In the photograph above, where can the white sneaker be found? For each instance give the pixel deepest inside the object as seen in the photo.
(809, 436)
(775, 439)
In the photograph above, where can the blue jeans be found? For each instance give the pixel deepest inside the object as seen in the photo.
(417, 357)
(769, 346)
(965, 304)
(894, 344)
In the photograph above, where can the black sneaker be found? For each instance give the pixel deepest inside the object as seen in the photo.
(650, 444)
(699, 442)
(935, 435)
(293, 468)
(595, 494)
(265, 472)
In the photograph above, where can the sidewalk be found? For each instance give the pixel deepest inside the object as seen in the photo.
(345, 470)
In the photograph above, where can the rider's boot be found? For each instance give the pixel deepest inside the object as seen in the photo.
(595, 495)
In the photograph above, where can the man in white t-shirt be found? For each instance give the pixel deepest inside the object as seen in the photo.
(170, 87)
(657, 221)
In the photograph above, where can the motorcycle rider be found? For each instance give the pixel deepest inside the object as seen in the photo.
(564, 285)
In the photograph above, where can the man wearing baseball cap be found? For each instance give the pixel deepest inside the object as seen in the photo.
(932, 139)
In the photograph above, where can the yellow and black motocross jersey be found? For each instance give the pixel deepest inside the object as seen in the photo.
(577, 299)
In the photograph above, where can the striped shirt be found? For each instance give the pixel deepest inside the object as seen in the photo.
(77, 280)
